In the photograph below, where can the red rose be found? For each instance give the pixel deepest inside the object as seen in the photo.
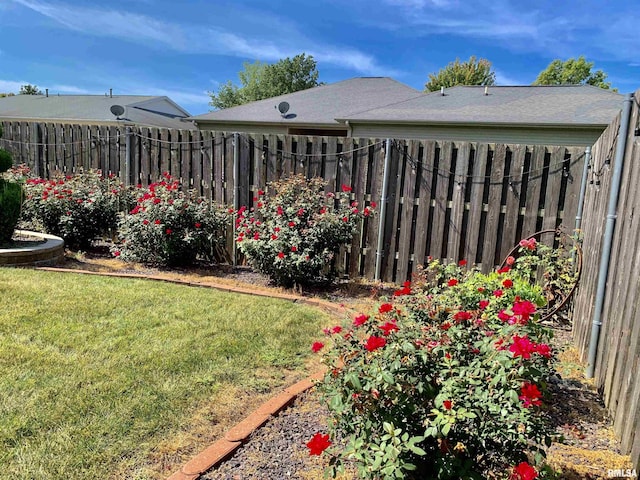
(388, 327)
(507, 283)
(452, 282)
(385, 307)
(360, 320)
(294, 248)
(318, 444)
(462, 262)
(346, 188)
(374, 342)
(317, 346)
(447, 404)
(280, 254)
(483, 304)
(523, 471)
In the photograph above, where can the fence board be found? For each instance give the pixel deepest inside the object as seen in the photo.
(439, 197)
(493, 208)
(514, 191)
(406, 211)
(551, 219)
(376, 165)
(218, 167)
(479, 173)
(425, 177)
(457, 202)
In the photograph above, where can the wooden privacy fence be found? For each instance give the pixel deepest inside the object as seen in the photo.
(618, 354)
(448, 200)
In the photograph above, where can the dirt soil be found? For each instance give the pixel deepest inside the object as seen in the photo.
(585, 449)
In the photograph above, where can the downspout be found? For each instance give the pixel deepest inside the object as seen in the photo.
(383, 208)
(236, 195)
(603, 271)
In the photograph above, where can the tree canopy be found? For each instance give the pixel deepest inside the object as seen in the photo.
(30, 90)
(471, 72)
(261, 80)
(573, 72)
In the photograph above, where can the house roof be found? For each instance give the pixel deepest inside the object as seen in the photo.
(578, 105)
(318, 105)
(143, 110)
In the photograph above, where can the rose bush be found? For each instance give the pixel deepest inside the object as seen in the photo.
(294, 234)
(170, 227)
(10, 197)
(79, 208)
(445, 380)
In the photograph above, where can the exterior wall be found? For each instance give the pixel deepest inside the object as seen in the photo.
(235, 127)
(528, 136)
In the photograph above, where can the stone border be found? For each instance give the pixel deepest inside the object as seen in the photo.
(48, 253)
(222, 449)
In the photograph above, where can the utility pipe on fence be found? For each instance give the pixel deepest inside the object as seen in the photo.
(583, 186)
(383, 209)
(236, 194)
(603, 271)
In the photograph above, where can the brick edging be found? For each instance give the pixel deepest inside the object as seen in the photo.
(222, 449)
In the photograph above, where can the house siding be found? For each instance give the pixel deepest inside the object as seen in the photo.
(527, 136)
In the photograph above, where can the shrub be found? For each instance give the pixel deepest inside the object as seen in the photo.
(169, 227)
(295, 233)
(79, 208)
(446, 380)
(10, 199)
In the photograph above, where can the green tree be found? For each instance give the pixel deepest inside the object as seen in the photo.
(573, 72)
(261, 80)
(472, 72)
(2, 95)
(30, 90)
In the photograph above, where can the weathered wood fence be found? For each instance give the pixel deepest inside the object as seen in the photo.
(618, 354)
(448, 200)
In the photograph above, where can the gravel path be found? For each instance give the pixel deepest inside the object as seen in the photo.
(278, 450)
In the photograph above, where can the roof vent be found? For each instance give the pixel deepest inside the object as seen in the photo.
(486, 90)
(442, 91)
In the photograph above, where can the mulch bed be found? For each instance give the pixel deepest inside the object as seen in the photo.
(585, 448)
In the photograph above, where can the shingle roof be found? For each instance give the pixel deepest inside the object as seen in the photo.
(91, 108)
(529, 105)
(318, 105)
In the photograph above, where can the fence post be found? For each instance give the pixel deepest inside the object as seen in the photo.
(236, 193)
(383, 209)
(127, 157)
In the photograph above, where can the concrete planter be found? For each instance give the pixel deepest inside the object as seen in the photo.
(48, 253)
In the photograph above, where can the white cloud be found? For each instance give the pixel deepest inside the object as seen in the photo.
(505, 80)
(204, 39)
(68, 89)
(11, 86)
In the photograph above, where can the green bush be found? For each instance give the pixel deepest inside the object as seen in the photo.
(169, 227)
(294, 234)
(79, 208)
(445, 381)
(10, 199)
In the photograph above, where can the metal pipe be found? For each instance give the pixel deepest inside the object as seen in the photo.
(603, 271)
(583, 186)
(383, 208)
(236, 194)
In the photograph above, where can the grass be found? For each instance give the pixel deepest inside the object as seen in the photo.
(98, 374)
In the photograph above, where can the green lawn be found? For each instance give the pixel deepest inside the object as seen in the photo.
(95, 372)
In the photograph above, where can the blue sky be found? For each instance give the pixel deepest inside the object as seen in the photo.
(185, 48)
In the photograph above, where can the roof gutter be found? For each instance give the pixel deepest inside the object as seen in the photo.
(603, 271)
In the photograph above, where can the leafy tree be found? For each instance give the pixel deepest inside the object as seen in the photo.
(2, 95)
(260, 80)
(472, 72)
(573, 72)
(30, 90)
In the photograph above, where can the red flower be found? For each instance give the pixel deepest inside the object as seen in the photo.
(481, 289)
(507, 283)
(453, 282)
(168, 231)
(502, 315)
(259, 205)
(301, 212)
(497, 293)
(462, 262)
(274, 237)
(336, 329)
(317, 346)
(256, 236)
(294, 248)
(510, 260)
(528, 244)
(116, 253)
(198, 224)
(504, 270)
(447, 404)
(157, 222)
(543, 349)
(345, 219)
(524, 471)
(360, 320)
(388, 327)
(292, 224)
(280, 211)
(483, 304)
(445, 326)
(323, 210)
(374, 342)
(280, 255)
(318, 444)
(403, 291)
(260, 192)
(525, 309)
(346, 188)
(373, 204)
(522, 347)
(145, 222)
(461, 316)
(530, 395)
(385, 307)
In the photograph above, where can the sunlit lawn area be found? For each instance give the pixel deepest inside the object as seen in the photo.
(96, 372)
